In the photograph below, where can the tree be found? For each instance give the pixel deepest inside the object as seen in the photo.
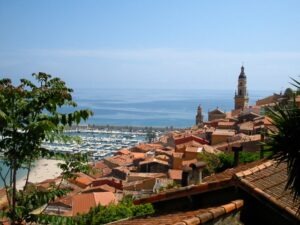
(31, 113)
(285, 142)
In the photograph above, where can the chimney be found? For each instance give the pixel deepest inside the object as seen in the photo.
(185, 176)
(200, 166)
(236, 151)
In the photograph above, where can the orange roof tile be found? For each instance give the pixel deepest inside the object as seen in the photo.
(268, 181)
(189, 162)
(175, 174)
(82, 203)
(224, 132)
(82, 180)
(182, 140)
(124, 151)
(191, 217)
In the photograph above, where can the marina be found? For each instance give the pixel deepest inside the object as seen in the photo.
(98, 143)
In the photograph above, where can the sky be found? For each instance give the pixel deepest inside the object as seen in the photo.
(152, 44)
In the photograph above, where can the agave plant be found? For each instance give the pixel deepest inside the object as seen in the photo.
(285, 142)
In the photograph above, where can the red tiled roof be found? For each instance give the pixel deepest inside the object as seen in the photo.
(178, 154)
(146, 147)
(224, 132)
(154, 160)
(175, 174)
(138, 155)
(119, 160)
(82, 203)
(189, 162)
(226, 123)
(82, 180)
(248, 126)
(268, 180)
(192, 217)
(124, 151)
(193, 149)
(101, 188)
(189, 138)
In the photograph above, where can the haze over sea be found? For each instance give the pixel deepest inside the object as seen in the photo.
(158, 108)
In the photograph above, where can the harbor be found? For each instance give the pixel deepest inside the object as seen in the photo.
(99, 143)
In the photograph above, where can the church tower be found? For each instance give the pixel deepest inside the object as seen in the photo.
(199, 116)
(241, 96)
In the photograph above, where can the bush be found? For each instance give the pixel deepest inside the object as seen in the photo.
(223, 161)
(226, 161)
(110, 213)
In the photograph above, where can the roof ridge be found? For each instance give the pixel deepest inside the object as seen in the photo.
(255, 169)
(213, 213)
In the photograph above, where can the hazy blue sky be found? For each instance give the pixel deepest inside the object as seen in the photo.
(152, 44)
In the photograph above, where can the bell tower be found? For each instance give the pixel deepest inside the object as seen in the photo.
(199, 116)
(241, 96)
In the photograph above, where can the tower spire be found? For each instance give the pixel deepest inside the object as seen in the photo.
(241, 95)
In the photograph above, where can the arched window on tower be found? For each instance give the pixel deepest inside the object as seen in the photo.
(240, 92)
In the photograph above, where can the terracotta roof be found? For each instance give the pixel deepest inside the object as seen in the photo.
(143, 147)
(101, 188)
(189, 162)
(154, 161)
(82, 180)
(138, 155)
(100, 169)
(190, 138)
(194, 149)
(226, 123)
(124, 151)
(248, 126)
(210, 149)
(244, 139)
(229, 173)
(268, 180)
(175, 174)
(224, 132)
(82, 203)
(141, 176)
(189, 143)
(119, 160)
(192, 217)
(178, 154)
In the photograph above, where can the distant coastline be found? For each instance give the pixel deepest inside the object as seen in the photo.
(124, 128)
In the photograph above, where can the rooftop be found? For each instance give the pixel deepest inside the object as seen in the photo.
(82, 203)
(268, 180)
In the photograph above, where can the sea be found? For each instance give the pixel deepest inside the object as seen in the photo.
(141, 107)
(157, 108)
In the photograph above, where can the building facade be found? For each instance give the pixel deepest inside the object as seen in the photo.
(241, 95)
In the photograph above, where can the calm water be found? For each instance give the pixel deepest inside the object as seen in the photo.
(154, 107)
(21, 173)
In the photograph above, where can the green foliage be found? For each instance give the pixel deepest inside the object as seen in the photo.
(30, 114)
(223, 161)
(110, 213)
(142, 210)
(73, 164)
(226, 161)
(285, 142)
(212, 162)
